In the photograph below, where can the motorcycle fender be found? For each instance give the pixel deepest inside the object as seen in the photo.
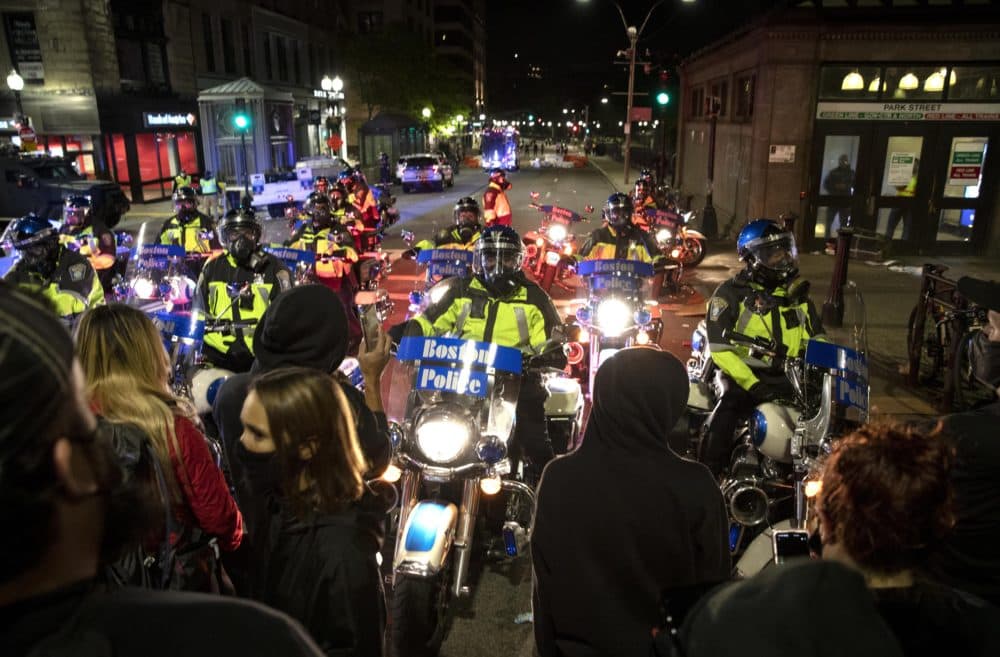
(426, 539)
(565, 397)
(695, 234)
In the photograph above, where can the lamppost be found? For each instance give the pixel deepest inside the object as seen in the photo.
(16, 84)
(333, 88)
(460, 120)
(426, 113)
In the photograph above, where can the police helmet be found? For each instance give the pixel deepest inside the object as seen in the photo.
(643, 188)
(317, 203)
(76, 212)
(646, 175)
(322, 185)
(36, 238)
(769, 252)
(618, 210)
(466, 212)
(186, 202)
(497, 258)
(498, 175)
(240, 232)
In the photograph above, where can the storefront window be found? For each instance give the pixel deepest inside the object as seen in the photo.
(115, 149)
(974, 83)
(913, 83)
(840, 158)
(902, 161)
(849, 82)
(187, 152)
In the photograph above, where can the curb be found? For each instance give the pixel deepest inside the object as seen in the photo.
(603, 173)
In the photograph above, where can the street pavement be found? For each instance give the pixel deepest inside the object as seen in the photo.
(486, 624)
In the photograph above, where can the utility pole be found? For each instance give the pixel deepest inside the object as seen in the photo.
(709, 222)
(633, 36)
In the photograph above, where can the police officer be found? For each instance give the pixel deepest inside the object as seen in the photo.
(189, 227)
(360, 197)
(211, 190)
(496, 206)
(319, 231)
(499, 304)
(465, 232)
(61, 275)
(182, 179)
(620, 238)
(643, 201)
(760, 302)
(238, 285)
(82, 231)
(321, 185)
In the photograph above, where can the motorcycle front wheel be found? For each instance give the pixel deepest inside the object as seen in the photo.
(421, 614)
(694, 251)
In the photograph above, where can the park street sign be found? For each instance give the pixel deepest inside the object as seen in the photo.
(908, 111)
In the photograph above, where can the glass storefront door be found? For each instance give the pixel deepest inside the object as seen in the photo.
(899, 187)
(962, 166)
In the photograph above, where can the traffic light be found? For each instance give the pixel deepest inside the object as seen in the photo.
(241, 121)
(663, 98)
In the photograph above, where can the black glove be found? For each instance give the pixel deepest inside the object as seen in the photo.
(761, 393)
(410, 254)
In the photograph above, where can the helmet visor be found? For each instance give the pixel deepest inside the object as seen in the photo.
(466, 217)
(494, 261)
(777, 252)
(618, 215)
(74, 217)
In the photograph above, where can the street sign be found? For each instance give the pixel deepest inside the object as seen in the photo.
(641, 114)
(28, 138)
(966, 161)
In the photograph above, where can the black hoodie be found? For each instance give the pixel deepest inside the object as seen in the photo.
(624, 518)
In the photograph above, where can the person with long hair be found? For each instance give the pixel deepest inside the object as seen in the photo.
(886, 502)
(311, 557)
(127, 374)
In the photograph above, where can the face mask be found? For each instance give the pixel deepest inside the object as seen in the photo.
(242, 248)
(261, 471)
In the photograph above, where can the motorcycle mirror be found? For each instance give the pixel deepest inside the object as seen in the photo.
(407, 236)
(535, 195)
(588, 208)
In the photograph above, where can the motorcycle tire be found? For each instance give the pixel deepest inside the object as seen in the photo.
(969, 392)
(694, 251)
(548, 276)
(932, 345)
(421, 614)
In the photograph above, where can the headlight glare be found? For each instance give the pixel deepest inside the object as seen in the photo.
(613, 317)
(557, 232)
(442, 437)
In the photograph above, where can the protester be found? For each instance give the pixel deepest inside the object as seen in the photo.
(312, 556)
(885, 503)
(800, 609)
(306, 327)
(127, 376)
(661, 520)
(64, 516)
(969, 559)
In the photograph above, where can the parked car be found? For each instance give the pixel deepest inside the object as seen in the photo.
(424, 170)
(39, 184)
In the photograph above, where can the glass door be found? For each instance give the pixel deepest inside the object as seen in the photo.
(962, 163)
(836, 196)
(900, 183)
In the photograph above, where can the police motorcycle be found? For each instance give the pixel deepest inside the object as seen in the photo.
(780, 446)
(385, 202)
(454, 402)
(549, 250)
(159, 282)
(676, 241)
(433, 266)
(620, 311)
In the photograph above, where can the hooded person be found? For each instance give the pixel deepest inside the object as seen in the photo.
(660, 519)
(304, 327)
(800, 609)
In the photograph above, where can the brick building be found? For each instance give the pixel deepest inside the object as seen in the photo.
(884, 116)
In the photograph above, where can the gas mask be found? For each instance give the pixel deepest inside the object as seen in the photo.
(241, 245)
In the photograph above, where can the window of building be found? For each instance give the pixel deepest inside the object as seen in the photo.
(974, 83)
(697, 102)
(744, 91)
(720, 89)
(849, 82)
(247, 51)
(142, 65)
(265, 38)
(281, 50)
(369, 21)
(206, 27)
(913, 83)
(228, 46)
(296, 63)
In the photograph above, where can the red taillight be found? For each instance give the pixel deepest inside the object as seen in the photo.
(574, 353)
(435, 167)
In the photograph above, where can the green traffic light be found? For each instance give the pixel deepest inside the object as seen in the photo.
(663, 98)
(241, 121)
(531, 117)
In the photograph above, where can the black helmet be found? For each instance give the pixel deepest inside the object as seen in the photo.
(498, 176)
(37, 240)
(618, 210)
(497, 258)
(240, 232)
(76, 212)
(466, 212)
(347, 178)
(643, 188)
(321, 185)
(646, 175)
(186, 203)
(317, 206)
(769, 253)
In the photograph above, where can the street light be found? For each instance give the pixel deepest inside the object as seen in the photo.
(16, 84)
(337, 85)
(604, 101)
(426, 112)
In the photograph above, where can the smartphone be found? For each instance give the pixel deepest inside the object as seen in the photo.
(789, 543)
(370, 324)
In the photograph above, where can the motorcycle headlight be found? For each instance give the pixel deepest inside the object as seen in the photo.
(442, 436)
(557, 232)
(613, 317)
(663, 235)
(144, 288)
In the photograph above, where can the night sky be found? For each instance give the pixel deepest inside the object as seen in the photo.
(575, 44)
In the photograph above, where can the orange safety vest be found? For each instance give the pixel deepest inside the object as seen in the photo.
(500, 207)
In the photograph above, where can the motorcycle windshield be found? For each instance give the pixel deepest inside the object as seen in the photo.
(439, 264)
(560, 215)
(614, 277)
(463, 389)
(843, 351)
(157, 277)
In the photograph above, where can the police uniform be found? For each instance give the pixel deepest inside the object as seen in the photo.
(449, 239)
(188, 233)
(628, 243)
(73, 287)
(496, 207)
(748, 308)
(267, 279)
(524, 320)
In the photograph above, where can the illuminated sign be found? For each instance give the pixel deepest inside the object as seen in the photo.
(161, 119)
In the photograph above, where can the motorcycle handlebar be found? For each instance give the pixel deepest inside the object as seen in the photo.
(759, 343)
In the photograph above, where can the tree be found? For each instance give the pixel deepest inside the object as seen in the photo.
(396, 69)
